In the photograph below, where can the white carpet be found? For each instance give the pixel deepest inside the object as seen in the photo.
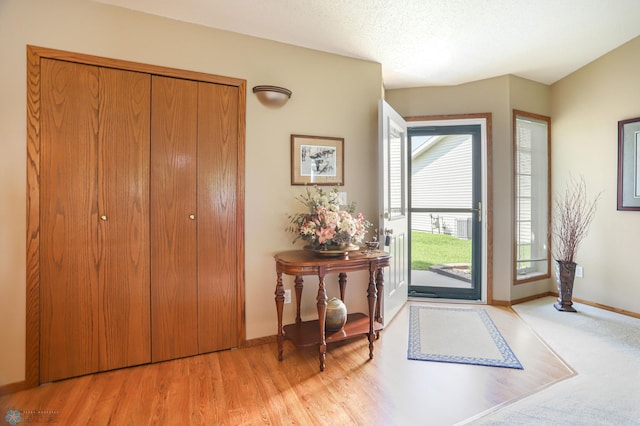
(603, 347)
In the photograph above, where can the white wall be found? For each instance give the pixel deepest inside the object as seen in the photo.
(332, 96)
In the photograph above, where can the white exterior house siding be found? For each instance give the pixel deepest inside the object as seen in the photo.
(441, 178)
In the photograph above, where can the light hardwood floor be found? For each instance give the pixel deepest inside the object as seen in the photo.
(249, 386)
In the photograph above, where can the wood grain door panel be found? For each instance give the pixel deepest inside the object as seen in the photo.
(135, 214)
(217, 245)
(123, 202)
(69, 249)
(173, 232)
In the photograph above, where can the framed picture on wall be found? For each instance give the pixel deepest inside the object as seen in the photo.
(317, 160)
(629, 164)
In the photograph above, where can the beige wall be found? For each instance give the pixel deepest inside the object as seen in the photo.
(586, 108)
(497, 96)
(529, 96)
(332, 96)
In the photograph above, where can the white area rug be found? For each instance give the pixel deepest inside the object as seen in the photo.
(458, 335)
(603, 347)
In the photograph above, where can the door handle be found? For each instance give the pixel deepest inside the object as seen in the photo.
(479, 211)
(388, 236)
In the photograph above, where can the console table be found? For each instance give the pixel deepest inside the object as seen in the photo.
(308, 333)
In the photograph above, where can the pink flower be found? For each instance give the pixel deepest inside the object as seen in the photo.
(325, 223)
(325, 234)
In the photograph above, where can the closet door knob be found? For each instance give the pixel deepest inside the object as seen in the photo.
(192, 216)
(103, 218)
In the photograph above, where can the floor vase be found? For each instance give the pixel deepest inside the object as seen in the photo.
(566, 273)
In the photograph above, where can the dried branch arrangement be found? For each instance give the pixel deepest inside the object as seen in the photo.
(573, 215)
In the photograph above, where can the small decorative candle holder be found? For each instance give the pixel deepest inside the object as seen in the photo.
(371, 246)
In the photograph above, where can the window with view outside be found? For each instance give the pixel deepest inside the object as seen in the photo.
(532, 196)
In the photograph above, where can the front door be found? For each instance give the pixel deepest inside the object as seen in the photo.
(446, 211)
(393, 207)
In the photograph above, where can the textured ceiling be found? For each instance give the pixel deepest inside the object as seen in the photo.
(428, 42)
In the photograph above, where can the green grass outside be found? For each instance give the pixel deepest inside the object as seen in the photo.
(435, 249)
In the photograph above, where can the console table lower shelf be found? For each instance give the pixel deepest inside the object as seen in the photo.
(301, 263)
(306, 334)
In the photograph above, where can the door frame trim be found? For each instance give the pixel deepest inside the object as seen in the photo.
(34, 56)
(485, 120)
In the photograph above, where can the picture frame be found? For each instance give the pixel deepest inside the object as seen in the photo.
(629, 164)
(317, 160)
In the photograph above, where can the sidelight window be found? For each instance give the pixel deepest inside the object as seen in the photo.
(532, 141)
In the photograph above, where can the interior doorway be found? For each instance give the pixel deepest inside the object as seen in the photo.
(447, 182)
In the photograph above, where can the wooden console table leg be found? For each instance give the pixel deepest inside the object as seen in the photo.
(322, 310)
(298, 288)
(279, 304)
(380, 304)
(371, 296)
(342, 282)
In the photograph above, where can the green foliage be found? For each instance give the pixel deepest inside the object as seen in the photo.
(436, 249)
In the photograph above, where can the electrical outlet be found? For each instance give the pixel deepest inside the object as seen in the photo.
(342, 197)
(579, 271)
(287, 296)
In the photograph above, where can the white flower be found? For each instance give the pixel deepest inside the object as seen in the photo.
(324, 224)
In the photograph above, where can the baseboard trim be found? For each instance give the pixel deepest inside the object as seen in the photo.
(13, 387)
(534, 297)
(522, 300)
(606, 307)
(259, 341)
(575, 299)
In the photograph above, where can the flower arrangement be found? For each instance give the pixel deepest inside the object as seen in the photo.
(324, 224)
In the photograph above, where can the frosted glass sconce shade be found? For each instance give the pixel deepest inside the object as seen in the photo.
(272, 96)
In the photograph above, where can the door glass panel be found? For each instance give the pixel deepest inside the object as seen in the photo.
(444, 204)
(396, 167)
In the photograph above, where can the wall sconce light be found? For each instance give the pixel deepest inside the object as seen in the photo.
(272, 96)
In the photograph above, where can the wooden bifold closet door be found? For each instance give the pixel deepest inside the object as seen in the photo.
(194, 150)
(138, 218)
(94, 251)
